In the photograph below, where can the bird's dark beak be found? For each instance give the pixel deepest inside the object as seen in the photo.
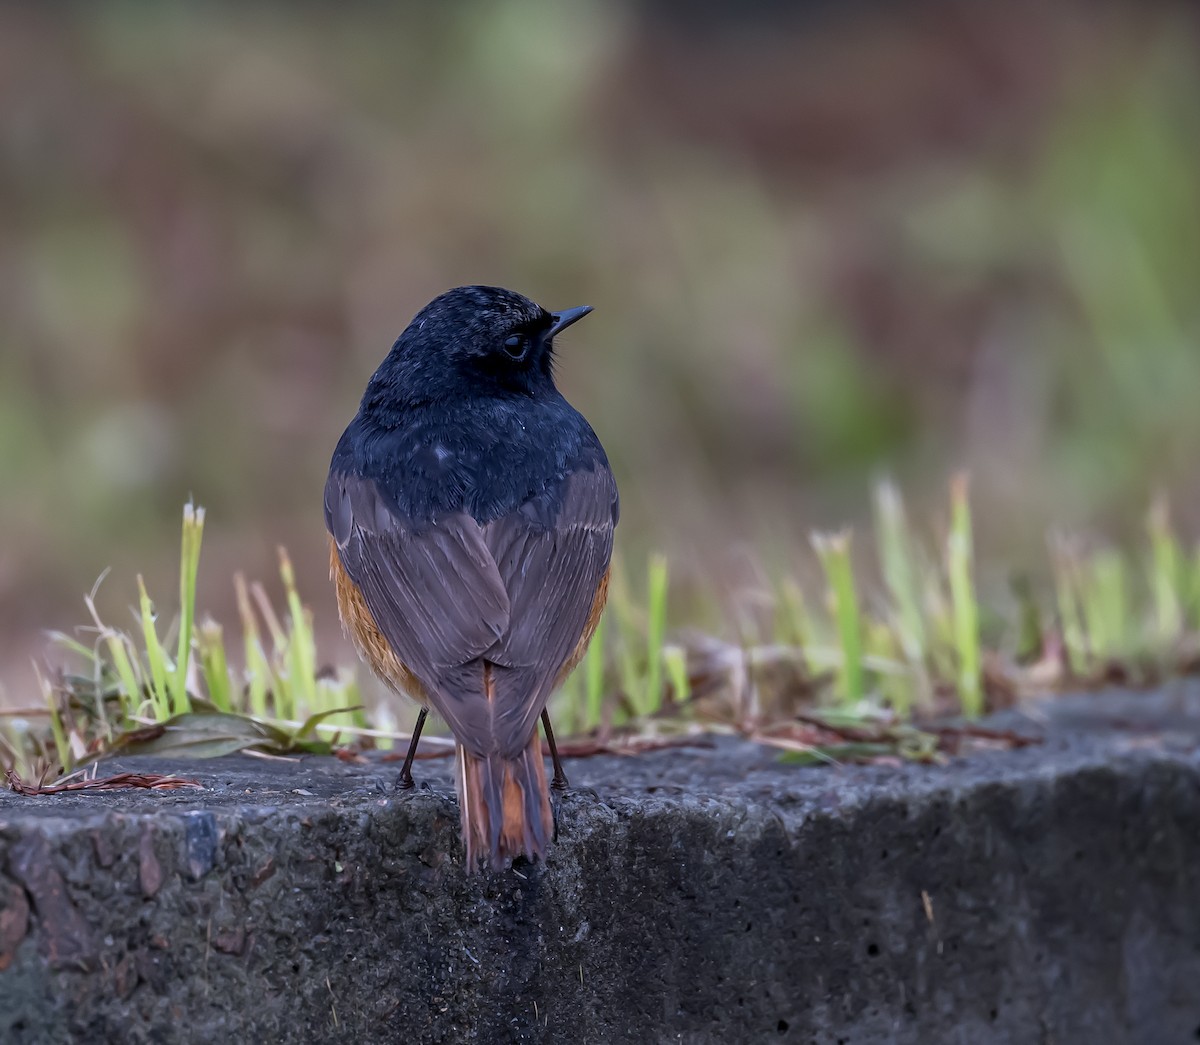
(565, 318)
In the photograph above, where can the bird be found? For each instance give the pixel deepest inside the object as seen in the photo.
(471, 512)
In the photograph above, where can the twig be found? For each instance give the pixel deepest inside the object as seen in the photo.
(885, 734)
(1001, 736)
(855, 734)
(116, 782)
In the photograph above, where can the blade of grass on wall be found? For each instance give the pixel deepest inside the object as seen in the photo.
(937, 603)
(214, 666)
(881, 648)
(125, 666)
(283, 692)
(626, 631)
(656, 629)
(61, 745)
(959, 554)
(834, 552)
(799, 629)
(675, 665)
(258, 671)
(189, 566)
(1166, 574)
(898, 561)
(1191, 587)
(301, 656)
(102, 685)
(341, 693)
(1105, 591)
(160, 696)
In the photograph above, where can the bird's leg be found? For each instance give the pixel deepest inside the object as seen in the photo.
(406, 780)
(559, 783)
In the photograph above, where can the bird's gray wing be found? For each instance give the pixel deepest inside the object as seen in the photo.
(552, 555)
(434, 592)
(484, 616)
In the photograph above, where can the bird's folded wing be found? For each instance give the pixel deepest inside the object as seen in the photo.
(552, 555)
(517, 593)
(434, 591)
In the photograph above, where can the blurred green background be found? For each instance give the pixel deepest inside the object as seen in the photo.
(823, 241)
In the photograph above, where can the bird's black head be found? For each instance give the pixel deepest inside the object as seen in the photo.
(470, 342)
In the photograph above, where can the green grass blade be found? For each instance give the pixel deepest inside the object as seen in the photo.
(1192, 589)
(799, 627)
(57, 728)
(124, 665)
(833, 550)
(675, 663)
(160, 695)
(1106, 606)
(1166, 574)
(118, 645)
(901, 574)
(959, 554)
(126, 668)
(300, 644)
(214, 665)
(73, 645)
(627, 635)
(656, 627)
(308, 727)
(189, 567)
(258, 671)
(279, 681)
(899, 568)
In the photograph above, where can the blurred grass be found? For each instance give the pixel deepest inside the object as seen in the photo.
(846, 650)
(213, 221)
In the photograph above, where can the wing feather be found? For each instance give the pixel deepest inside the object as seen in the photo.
(434, 592)
(551, 573)
(447, 597)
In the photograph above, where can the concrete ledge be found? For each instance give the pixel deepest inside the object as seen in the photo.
(699, 895)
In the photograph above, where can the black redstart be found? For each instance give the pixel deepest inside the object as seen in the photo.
(471, 513)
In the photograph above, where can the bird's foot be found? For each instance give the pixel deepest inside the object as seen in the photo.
(560, 794)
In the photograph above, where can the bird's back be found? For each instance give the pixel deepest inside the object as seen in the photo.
(484, 457)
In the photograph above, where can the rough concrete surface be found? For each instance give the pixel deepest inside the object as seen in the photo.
(1050, 894)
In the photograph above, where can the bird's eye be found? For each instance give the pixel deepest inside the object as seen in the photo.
(515, 345)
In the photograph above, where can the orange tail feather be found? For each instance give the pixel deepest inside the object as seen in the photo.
(505, 805)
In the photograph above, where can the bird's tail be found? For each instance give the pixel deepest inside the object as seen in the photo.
(505, 805)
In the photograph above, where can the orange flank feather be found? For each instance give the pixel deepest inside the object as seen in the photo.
(589, 629)
(360, 626)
